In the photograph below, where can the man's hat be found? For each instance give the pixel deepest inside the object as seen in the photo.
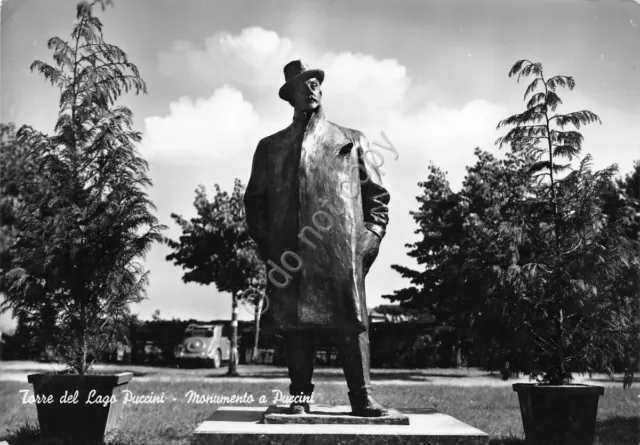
(296, 71)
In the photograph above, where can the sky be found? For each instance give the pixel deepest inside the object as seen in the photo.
(431, 75)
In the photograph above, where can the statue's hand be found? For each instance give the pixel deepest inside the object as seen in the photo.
(372, 241)
(370, 249)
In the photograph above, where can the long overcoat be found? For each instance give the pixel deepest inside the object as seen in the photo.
(317, 210)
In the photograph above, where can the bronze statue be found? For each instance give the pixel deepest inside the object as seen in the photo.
(317, 210)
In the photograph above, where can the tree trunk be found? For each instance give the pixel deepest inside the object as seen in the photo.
(561, 358)
(233, 355)
(256, 337)
(83, 341)
(557, 227)
(83, 364)
(457, 354)
(629, 367)
(492, 356)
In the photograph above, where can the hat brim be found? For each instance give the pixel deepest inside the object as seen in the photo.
(285, 89)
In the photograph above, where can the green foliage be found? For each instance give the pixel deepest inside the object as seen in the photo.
(495, 188)
(215, 246)
(85, 219)
(631, 185)
(561, 272)
(18, 182)
(436, 288)
(395, 313)
(539, 269)
(448, 287)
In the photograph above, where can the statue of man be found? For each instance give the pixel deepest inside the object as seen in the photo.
(316, 208)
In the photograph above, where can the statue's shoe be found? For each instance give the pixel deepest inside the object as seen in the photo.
(364, 405)
(298, 408)
(302, 396)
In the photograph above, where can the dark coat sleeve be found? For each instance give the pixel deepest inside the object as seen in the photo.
(256, 201)
(375, 198)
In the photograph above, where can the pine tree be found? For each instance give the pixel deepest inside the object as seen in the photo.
(557, 261)
(539, 131)
(75, 270)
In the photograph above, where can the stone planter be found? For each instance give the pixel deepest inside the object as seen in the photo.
(558, 414)
(79, 407)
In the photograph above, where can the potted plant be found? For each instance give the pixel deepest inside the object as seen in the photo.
(82, 220)
(562, 274)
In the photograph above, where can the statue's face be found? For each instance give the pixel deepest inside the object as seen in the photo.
(306, 95)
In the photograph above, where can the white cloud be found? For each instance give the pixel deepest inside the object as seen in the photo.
(253, 59)
(359, 88)
(255, 46)
(8, 324)
(616, 141)
(446, 136)
(213, 127)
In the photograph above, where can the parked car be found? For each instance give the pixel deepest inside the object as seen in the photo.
(203, 344)
(149, 352)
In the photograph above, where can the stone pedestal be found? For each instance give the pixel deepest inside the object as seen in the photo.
(244, 426)
(319, 414)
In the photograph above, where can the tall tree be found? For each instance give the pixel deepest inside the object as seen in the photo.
(86, 220)
(18, 170)
(215, 248)
(444, 286)
(18, 182)
(631, 188)
(554, 265)
(440, 219)
(495, 188)
(539, 131)
(621, 205)
(631, 183)
(16, 166)
(395, 313)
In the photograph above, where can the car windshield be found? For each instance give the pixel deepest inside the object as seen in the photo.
(199, 333)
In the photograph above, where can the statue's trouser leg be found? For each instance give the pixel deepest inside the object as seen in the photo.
(300, 350)
(355, 354)
(356, 362)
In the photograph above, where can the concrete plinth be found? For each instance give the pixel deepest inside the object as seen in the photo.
(331, 414)
(243, 426)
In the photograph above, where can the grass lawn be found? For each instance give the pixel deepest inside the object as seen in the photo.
(491, 409)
